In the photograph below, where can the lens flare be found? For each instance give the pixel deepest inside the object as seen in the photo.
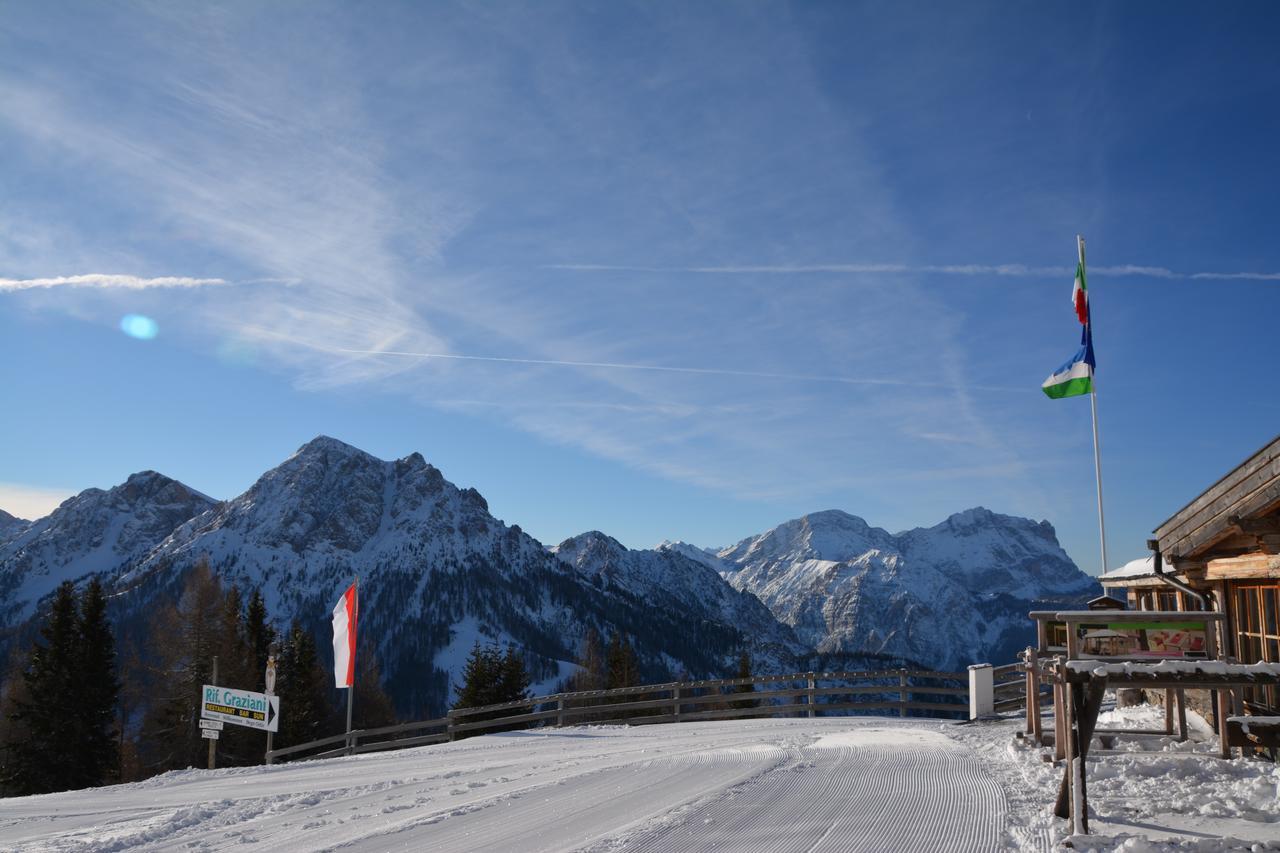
(138, 326)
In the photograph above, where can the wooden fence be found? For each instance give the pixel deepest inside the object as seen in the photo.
(804, 693)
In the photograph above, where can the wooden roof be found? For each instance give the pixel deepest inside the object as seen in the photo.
(1212, 520)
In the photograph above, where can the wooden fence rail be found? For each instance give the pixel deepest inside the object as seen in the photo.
(806, 693)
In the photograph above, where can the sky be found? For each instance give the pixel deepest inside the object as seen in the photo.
(664, 270)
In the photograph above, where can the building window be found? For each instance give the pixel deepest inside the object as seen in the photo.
(1258, 635)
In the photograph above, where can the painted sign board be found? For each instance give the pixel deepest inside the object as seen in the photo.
(215, 725)
(240, 707)
(209, 734)
(1137, 640)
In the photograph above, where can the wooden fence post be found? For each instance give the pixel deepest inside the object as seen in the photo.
(812, 697)
(560, 712)
(1059, 711)
(902, 693)
(1033, 695)
(675, 698)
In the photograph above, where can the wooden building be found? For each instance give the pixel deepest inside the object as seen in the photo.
(1224, 545)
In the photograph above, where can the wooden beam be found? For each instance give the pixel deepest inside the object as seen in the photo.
(1256, 565)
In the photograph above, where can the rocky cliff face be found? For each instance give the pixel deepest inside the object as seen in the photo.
(94, 533)
(689, 589)
(944, 596)
(10, 526)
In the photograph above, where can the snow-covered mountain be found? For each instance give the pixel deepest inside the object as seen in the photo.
(11, 526)
(437, 573)
(95, 532)
(671, 582)
(944, 596)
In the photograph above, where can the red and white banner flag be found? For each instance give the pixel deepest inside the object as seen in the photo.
(344, 639)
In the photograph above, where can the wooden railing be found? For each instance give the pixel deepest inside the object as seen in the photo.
(804, 693)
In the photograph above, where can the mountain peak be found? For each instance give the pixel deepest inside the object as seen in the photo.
(324, 444)
(6, 518)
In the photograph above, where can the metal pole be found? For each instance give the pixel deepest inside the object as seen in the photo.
(351, 691)
(213, 743)
(1097, 451)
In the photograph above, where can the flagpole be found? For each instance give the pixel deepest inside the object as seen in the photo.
(1097, 453)
(351, 691)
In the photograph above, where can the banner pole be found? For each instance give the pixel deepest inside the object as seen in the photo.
(351, 690)
(1097, 452)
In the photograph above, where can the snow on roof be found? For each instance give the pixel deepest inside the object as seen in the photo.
(1133, 569)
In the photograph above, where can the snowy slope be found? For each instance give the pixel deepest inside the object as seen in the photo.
(672, 582)
(776, 785)
(944, 597)
(95, 532)
(706, 556)
(758, 785)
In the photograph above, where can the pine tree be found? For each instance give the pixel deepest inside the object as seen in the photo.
(99, 691)
(45, 759)
(373, 706)
(744, 671)
(259, 637)
(593, 672)
(303, 687)
(623, 670)
(184, 640)
(480, 676)
(491, 677)
(238, 745)
(513, 678)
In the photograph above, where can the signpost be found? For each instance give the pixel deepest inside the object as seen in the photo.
(213, 725)
(240, 707)
(209, 734)
(270, 691)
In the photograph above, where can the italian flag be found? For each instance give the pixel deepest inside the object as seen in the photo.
(344, 638)
(1080, 295)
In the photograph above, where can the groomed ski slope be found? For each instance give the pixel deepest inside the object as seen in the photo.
(849, 784)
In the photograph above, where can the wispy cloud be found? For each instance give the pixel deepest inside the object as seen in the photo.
(105, 281)
(701, 371)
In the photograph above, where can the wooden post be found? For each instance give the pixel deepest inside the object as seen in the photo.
(1182, 714)
(1168, 710)
(1059, 712)
(902, 693)
(1026, 688)
(1223, 711)
(675, 695)
(1033, 696)
(213, 742)
(560, 712)
(1071, 748)
(811, 698)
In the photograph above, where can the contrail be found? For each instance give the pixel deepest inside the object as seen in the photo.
(102, 280)
(1010, 270)
(700, 371)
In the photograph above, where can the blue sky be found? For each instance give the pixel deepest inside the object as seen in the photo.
(845, 233)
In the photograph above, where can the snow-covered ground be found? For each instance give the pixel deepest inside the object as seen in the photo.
(874, 784)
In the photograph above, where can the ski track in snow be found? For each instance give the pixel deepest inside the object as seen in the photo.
(844, 784)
